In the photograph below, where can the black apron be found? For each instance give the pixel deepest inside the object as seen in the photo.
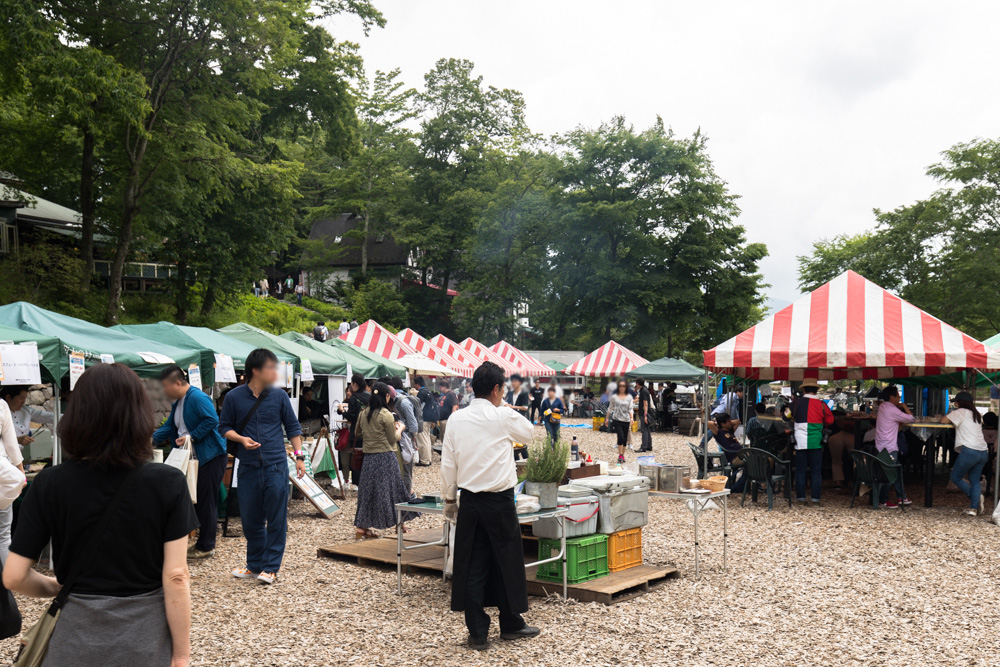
(497, 515)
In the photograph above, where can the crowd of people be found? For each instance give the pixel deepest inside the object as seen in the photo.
(263, 288)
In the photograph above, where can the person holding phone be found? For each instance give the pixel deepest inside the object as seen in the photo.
(552, 411)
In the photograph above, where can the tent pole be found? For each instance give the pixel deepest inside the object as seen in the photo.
(705, 425)
(56, 447)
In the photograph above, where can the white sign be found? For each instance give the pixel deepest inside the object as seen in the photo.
(307, 370)
(19, 364)
(77, 364)
(289, 375)
(194, 375)
(224, 369)
(107, 358)
(336, 386)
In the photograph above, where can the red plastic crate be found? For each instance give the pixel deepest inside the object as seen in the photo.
(624, 549)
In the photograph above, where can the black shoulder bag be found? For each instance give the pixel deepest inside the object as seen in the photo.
(233, 447)
(10, 615)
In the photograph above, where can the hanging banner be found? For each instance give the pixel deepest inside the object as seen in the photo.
(225, 371)
(19, 364)
(77, 364)
(289, 375)
(307, 370)
(107, 358)
(194, 376)
(336, 386)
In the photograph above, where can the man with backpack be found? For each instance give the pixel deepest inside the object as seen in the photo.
(320, 332)
(429, 415)
(449, 404)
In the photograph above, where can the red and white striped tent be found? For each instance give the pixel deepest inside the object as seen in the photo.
(609, 360)
(434, 353)
(474, 348)
(525, 364)
(373, 337)
(455, 350)
(849, 328)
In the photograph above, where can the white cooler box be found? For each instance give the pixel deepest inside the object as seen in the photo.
(580, 520)
(624, 501)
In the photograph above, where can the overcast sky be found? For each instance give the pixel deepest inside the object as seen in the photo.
(816, 112)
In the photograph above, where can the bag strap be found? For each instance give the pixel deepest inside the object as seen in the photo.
(253, 410)
(95, 537)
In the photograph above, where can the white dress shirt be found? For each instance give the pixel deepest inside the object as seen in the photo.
(26, 415)
(478, 450)
(10, 445)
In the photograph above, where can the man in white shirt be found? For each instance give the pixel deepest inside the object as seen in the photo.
(344, 327)
(477, 456)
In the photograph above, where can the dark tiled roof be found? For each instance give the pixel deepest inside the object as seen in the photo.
(384, 252)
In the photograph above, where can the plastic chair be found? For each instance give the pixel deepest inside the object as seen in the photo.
(873, 471)
(717, 464)
(764, 468)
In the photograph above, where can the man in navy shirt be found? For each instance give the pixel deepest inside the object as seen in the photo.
(262, 477)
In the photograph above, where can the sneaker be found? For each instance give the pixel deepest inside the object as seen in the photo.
(196, 554)
(815, 501)
(905, 501)
(244, 573)
(892, 504)
(621, 458)
(267, 577)
(971, 512)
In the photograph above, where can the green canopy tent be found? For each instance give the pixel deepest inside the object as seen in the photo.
(322, 362)
(384, 366)
(210, 342)
(557, 366)
(49, 350)
(146, 357)
(358, 363)
(668, 369)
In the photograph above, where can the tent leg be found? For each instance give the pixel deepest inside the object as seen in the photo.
(705, 426)
(56, 447)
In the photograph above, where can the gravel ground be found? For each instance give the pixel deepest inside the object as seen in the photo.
(815, 586)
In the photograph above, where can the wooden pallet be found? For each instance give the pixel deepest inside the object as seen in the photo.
(615, 587)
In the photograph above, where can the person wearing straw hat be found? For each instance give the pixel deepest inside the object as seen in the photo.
(974, 451)
(811, 416)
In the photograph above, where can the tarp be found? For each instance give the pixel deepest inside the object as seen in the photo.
(556, 365)
(434, 353)
(49, 349)
(373, 337)
(146, 357)
(420, 365)
(383, 366)
(850, 328)
(668, 369)
(526, 365)
(209, 342)
(322, 362)
(993, 341)
(358, 362)
(483, 353)
(609, 360)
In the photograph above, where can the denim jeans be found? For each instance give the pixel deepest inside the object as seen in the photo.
(552, 430)
(808, 461)
(970, 462)
(263, 495)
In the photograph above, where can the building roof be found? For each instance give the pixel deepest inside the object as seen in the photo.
(32, 208)
(382, 248)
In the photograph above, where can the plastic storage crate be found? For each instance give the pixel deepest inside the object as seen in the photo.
(624, 501)
(625, 549)
(586, 559)
(580, 520)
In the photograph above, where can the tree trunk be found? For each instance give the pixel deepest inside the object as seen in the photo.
(364, 246)
(181, 297)
(129, 210)
(87, 210)
(211, 293)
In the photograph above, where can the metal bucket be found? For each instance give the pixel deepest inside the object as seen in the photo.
(653, 473)
(670, 478)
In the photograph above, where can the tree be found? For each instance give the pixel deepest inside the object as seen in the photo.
(647, 250)
(378, 300)
(373, 181)
(940, 253)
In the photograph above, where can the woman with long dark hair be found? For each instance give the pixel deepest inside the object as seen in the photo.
(118, 521)
(620, 417)
(974, 452)
(381, 485)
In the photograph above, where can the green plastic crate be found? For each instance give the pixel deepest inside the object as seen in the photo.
(586, 558)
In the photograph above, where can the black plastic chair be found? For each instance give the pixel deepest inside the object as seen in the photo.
(873, 471)
(761, 467)
(717, 464)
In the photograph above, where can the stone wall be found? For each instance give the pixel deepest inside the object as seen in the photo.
(41, 396)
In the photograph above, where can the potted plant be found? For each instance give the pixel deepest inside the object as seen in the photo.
(545, 471)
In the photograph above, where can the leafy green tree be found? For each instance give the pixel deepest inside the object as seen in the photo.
(380, 301)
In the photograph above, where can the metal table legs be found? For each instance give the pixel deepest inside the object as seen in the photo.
(697, 507)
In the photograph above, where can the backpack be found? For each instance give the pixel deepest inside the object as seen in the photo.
(429, 409)
(319, 333)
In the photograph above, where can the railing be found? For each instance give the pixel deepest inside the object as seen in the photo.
(142, 270)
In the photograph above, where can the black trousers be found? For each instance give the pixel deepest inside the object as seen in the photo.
(534, 410)
(207, 508)
(647, 436)
(621, 428)
(480, 567)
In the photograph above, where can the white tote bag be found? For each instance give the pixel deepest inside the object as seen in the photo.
(183, 459)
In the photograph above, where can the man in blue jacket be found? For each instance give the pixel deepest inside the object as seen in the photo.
(193, 414)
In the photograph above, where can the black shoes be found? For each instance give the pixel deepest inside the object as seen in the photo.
(478, 643)
(524, 633)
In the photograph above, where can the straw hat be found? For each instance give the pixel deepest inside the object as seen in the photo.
(810, 380)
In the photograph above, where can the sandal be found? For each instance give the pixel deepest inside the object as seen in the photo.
(365, 534)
